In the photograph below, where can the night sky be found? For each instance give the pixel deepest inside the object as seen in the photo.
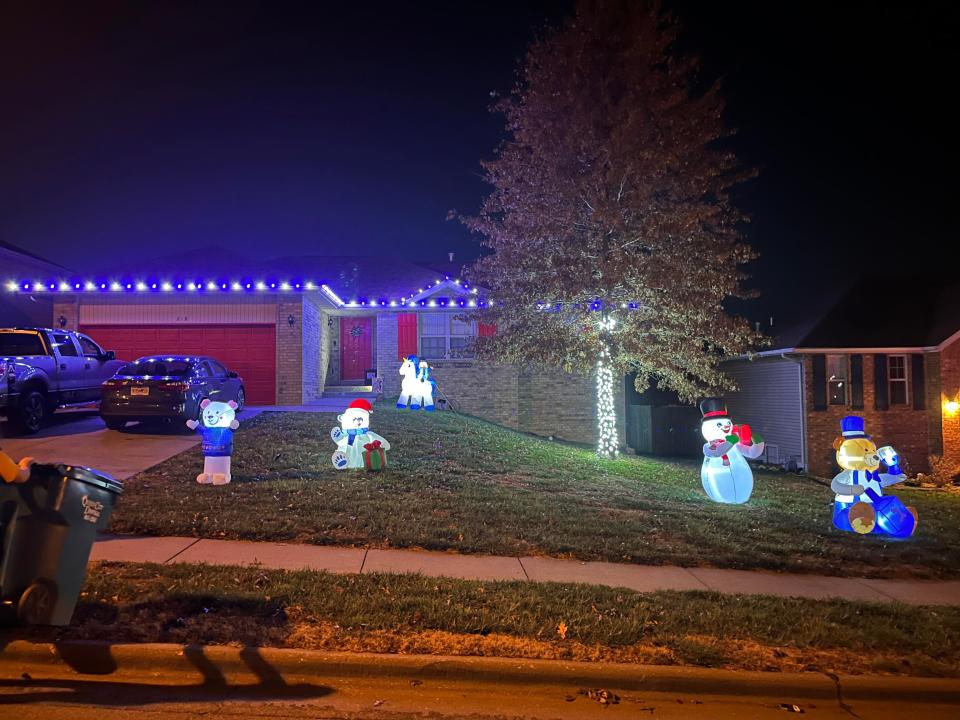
(130, 130)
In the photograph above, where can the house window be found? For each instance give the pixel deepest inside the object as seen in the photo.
(442, 335)
(897, 379)
(837, 379)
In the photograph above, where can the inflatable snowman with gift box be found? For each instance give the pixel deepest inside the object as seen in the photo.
(725, 474)
(860, 505)
(357, 446)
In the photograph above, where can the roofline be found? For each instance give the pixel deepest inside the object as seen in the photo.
(846, 350)
(30, 258)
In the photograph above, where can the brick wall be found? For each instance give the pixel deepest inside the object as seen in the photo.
(289, 352)
(544, 401)
(901, 426)
(325, 332)
(70, 310)
(388, 365)
(950, 390)
(312, 380)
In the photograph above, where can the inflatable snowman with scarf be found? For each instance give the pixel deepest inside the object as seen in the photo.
(726, 475)
(353, 435)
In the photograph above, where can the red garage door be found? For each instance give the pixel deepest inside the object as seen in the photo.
(250, 350)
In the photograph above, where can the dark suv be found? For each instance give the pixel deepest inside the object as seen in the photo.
(167, 387)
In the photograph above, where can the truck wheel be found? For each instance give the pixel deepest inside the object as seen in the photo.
(36, 603)
(31, 413)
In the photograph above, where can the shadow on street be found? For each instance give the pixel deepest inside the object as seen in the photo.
(93, 660)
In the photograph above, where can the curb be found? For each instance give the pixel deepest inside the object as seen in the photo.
(249, 664)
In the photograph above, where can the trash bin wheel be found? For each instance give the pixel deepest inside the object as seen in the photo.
(36, 603)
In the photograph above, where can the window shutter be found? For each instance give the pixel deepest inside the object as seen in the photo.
(406, 334)
(856, 382)
(881, 396)
(916, 381)
(486, 329)
(819, 382)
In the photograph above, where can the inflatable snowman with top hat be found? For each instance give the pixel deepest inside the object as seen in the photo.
(725, 473)
(354, 435)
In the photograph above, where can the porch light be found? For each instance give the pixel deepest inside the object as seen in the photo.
(951, 407)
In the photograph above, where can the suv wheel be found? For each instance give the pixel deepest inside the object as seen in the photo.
(32, 412)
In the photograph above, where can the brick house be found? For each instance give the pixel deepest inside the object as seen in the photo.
(297, 328)
(889, 352)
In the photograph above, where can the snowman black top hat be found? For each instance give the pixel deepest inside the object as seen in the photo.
(713, 407)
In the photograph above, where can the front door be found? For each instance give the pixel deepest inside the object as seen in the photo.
(356, 348)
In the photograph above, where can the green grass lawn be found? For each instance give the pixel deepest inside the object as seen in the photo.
(413, 614)
(456, 483)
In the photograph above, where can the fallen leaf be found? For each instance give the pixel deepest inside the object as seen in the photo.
(562, 630)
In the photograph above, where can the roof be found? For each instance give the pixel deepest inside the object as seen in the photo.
(355, 277)
(27, 254)
(884, 312)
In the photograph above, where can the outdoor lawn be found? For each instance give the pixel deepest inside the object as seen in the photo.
(413, 614)
(461, 484)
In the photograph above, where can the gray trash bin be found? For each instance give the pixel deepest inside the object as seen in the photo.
(49, 525)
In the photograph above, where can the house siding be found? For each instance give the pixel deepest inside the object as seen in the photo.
(901, 426)
(770, 401)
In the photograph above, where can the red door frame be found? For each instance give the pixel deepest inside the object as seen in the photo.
(356, 351)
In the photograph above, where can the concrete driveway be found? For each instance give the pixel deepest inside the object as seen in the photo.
(79, 437)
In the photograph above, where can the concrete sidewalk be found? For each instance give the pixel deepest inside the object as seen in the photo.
(643, 578)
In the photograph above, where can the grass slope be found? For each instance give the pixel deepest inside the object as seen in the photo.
(413, 614)
(456, 483)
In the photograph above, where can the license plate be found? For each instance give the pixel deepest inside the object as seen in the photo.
(140, 391)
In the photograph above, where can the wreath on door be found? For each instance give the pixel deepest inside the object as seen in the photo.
(356, 331)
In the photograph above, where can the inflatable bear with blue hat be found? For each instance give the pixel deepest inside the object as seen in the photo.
(860, 505)
(217, 422)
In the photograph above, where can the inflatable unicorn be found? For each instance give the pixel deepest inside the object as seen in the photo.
(416, 388)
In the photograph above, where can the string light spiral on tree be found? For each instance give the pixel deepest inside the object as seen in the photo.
(608, 442)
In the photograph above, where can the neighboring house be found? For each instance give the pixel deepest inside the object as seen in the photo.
(889, 351)
(19, 309)
(298, 327)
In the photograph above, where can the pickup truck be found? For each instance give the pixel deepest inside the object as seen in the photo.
(43, 369)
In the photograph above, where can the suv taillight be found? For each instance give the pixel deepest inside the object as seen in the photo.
(111, 383)
(178, 386)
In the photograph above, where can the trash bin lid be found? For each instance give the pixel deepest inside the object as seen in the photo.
(91, 477)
